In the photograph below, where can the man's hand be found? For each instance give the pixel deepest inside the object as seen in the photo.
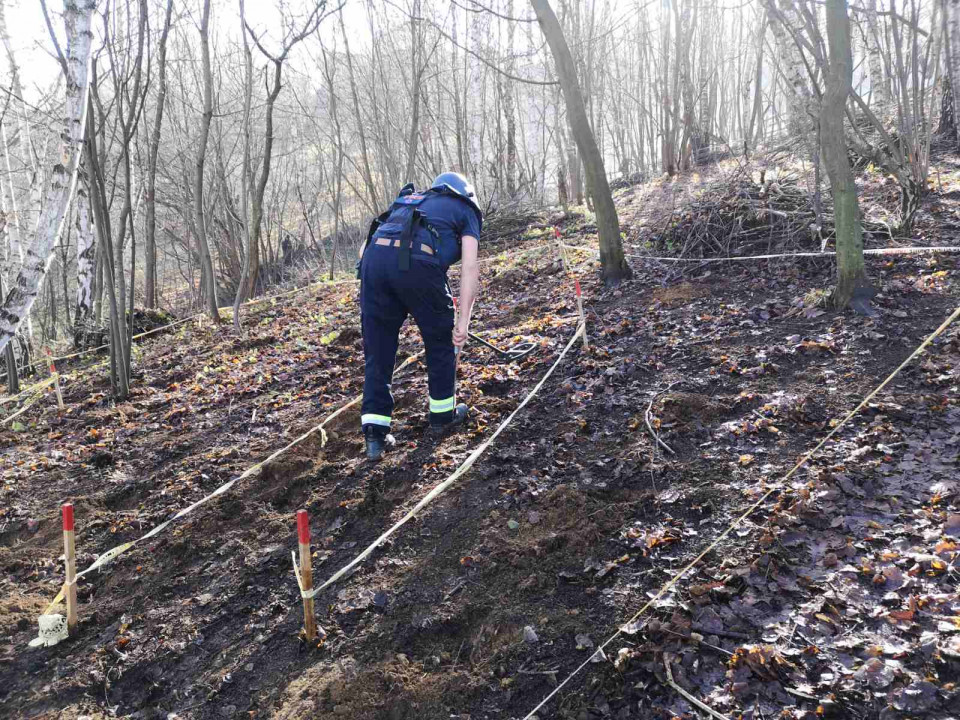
(460, 336)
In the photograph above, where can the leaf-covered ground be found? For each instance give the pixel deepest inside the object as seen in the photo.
(837, 598)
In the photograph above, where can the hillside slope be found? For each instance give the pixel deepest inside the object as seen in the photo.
(837, 598)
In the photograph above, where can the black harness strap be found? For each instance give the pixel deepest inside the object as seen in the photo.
(374, 224)
(406, 238)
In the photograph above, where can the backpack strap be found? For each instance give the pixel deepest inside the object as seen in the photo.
(406, 238)
(374, 224)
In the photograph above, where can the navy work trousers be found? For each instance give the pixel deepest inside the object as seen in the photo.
(387, 296)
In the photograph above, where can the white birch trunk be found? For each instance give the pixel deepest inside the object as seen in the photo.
(86, 254)
(6, 256)
(804, 108)
(77, 18)
(878, 79)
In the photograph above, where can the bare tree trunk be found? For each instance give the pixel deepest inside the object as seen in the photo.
(614, 266)
(16, 238)
(509, 111)
(668, 151)
(685, 30)
(153, 151)
(16, 306)
(205, 258)
(951, 10)
(246, 172)
(364, 156)
(86, 255)
(328, 73)
(563, 191)
(416, 75)
(64, 270)
(10, 360)
(459, 111)
(803, 110)
(879, 88)
(129, 98)
(289, 41)
(756, 114)
(32, 213)
(249, 289)
(119, 379)
(851, 275)
(948, 115)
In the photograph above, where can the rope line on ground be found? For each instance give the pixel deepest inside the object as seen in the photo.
(115, 552)
(827, 254)
(442, 486)
(736, 523)
(31, 401)
(33, 388)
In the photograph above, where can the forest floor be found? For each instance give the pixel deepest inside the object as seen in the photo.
(837, 598)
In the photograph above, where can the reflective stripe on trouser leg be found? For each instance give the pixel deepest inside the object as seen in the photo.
(441, 406)
(371, 419)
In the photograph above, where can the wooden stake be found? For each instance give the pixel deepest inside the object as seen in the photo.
(583, 318)
(306, 574)
(70, 563)
(56, 379)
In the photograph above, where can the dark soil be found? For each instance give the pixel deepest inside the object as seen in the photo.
(836, 598)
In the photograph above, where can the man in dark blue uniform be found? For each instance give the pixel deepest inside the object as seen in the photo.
(403, 271)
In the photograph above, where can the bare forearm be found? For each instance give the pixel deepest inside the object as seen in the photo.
(469, 289)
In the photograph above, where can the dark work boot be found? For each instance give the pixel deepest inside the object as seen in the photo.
(460, 414)
(377, 442)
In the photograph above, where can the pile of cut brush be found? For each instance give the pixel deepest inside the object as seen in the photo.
(501, 226)
(747, 214)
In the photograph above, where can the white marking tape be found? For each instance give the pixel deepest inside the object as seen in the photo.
(430, 496)
(36, 386)
(872, 251)
(115, 552)
(803, 461)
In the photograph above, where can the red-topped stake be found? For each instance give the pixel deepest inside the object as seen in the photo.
(70, 566)
(306, 574)
(303, 527)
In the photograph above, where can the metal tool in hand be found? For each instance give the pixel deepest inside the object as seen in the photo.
(512, 353)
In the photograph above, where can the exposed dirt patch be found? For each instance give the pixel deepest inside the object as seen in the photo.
(680, 294)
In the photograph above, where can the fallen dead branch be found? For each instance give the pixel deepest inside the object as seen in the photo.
(648, 418)
(690, 698)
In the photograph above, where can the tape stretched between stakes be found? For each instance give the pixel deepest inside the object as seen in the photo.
(830, 253)
(115, 552)
(444, 485)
